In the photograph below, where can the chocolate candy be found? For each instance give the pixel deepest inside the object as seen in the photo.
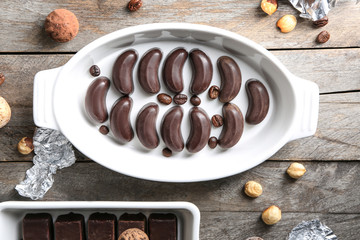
(258, 101)
(95, 100)
(233, 126)
(172, 71)
(102, 226)
(123, 72)
(170, 129)
(202, 71)
(230, 78)
(70, 227)
(200, 130)
(120, 120)
(146, 125)
(127, 221)
(37, 226)
(148, 71)
(162, 226)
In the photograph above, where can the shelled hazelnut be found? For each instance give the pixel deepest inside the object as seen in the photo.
(271, 215)
(25, 146)
(296, 170)
(253, 189)
(5, 112)
(287, 23)
(269, 6)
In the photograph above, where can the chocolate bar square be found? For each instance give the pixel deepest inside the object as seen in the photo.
(162, 226)
(102, 226)
(38, 226)
(127, 221)
(70, 227)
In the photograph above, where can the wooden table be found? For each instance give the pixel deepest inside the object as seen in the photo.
(330, 189)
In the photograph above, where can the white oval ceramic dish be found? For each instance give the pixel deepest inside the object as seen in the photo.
(12, 213)
(59, 103)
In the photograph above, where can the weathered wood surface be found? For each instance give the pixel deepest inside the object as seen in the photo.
(322, 189)
(22, 22)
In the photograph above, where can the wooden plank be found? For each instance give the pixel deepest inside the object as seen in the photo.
(241, 225)
(327, 187)
(22, 22)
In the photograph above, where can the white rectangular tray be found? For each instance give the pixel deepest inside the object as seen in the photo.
(12, 213)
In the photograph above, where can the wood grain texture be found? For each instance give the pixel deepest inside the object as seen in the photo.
(323, 189)
(22, 22)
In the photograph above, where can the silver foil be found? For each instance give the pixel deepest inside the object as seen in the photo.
(53, 151)
(312, 230)
(313, 9)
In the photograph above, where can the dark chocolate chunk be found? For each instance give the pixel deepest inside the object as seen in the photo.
(37, 226)
(70, 227)
(162, 226)
(127, 221)
(102, 226)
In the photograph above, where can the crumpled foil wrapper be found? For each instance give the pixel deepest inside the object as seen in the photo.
(53, 151)
(312, 230)
(313, 9)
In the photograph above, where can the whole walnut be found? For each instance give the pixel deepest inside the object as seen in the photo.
(62, 25)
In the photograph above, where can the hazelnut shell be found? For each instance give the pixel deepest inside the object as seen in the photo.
(62, 25)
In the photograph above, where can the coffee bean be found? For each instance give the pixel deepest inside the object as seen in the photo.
(195, 100)
(104, 129)
(2, 78)
(321, 22)
(214, 92)
(167, 152)
(94, 70)
(180, 99)
(323, 37)
(212, 142)
(164, 98)
(217, 120)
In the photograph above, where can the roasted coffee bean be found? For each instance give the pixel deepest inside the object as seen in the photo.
(104, 129)
(164, 98)
(167, 152)
(134, 5)
(195, 100)
(323, 37)
(180, 99)
(321, 22)
(94, 70)
(2, 78)
(217, 120)
(214, 92)
(212, 142)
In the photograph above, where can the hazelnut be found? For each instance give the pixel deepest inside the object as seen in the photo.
(253, 189)
(5, 112)
(25, 146)
(271, 215)
(62, 25)
(269, 6)
(2, 78)
(296, 170)
(287, 23)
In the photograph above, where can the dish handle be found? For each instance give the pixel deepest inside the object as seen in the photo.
(307, 104)
(43, 110)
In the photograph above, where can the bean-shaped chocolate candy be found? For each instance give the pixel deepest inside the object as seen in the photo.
(120, 120)
(172, 71)
(202, 71)
(148, 71)
(95, 100)
(200, 130)
(123, 72)
(146, 125)
(258, 101)
(230, 78)
(171, 129)
(233, 126)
